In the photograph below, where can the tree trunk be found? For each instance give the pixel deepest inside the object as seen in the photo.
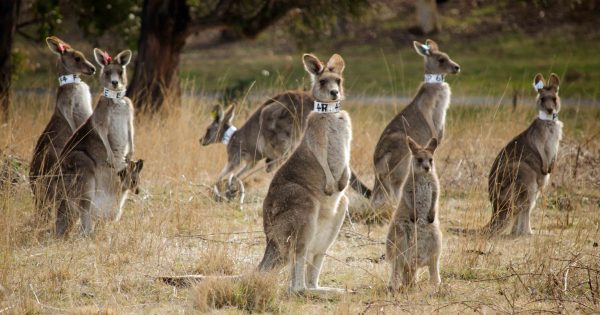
(9, 12)
(427, 16)
(164, 29)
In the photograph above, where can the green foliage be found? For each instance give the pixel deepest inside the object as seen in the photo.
(119, 16)
(18, 64)
(47, 15)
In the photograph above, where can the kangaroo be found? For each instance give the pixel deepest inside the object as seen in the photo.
(97, 151)
(424, 118)
(306, 203)
(415, 239)
(130, 180)
(73, 107)
(522, 168)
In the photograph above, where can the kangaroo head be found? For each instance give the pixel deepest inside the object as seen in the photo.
(113, 75)
(130, 176)
(220, 123)
(327, 80)
(71, 60)
(436, 61)
(547, 99)
(422, 157)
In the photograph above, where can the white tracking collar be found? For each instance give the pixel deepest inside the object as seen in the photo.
(545, 116)
(227, 135)
(321, 107)
(114, 94)
(68, 78)
(434, 78)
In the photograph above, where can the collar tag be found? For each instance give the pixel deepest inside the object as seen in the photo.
(68, 78)
(114, 94)
(434, 78)
(321, 107)
(550, 117)
(227, 135)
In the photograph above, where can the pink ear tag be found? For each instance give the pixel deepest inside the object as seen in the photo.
(107, 58)
(61, 47)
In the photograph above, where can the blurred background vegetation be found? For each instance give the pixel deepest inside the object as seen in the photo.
(228, 49)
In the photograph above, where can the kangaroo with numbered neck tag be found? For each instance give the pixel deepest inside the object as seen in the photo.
(414, 238)
(271, 132)
(97, 151)
(424, 118)
(73, 108)
(522, 168)
(306, 203)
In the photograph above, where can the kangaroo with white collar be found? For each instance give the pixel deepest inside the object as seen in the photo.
(97, 151)
(306, 203)
(73, 108)
(415, 239)
(424, 118)
(522, 168)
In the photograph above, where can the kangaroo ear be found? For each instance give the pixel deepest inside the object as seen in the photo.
(432, 145)
(229, 114)
(554, 81)
(433, 46)
(538, 82)
(336, 64)
(312, 64)
(216, 113)
(56, 45)
(102, 57)
(124, 57)
(412, 145)
(421, 49)
(139, 164)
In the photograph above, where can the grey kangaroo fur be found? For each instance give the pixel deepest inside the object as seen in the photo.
(271, 133)
(414, 238)
(73, 108)
(97, 152)
(522, 169)
(306, 204)
(424, 118)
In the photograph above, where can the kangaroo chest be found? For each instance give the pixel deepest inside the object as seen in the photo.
(75, 103)
(118, 129)
(418, 195)
(434, 104)
(546, 136)
(338, 147)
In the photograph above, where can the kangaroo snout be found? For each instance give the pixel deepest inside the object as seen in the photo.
(456, 69)
(115, 83)
(334, 94)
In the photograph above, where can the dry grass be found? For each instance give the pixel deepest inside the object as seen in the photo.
(174, 227)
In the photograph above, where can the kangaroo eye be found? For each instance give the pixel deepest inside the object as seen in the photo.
(323, 82)
(120, 72)
(338, 81)
(441, 60)
(430, 160)
(420, 160)
(77, 59)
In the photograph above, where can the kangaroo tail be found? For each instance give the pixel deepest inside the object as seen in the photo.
(272, 258)
(497, 223)
(357, 185)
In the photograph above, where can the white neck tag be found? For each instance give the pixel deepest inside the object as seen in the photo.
(545, 116)
(321, 107)
(114, 94)
(68, 78)
(434, 78)
(227, 135)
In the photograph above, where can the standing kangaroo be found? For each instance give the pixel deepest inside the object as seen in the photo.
(97, 151)
(73, 108)
(424, 118)
(415, 239)
(306, 203)
(522, 168)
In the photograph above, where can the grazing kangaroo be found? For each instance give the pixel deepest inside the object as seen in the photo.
(73, 108)
(424, 118)
(306, 203)
(415, 239)
(97, 151)
(522, 168)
